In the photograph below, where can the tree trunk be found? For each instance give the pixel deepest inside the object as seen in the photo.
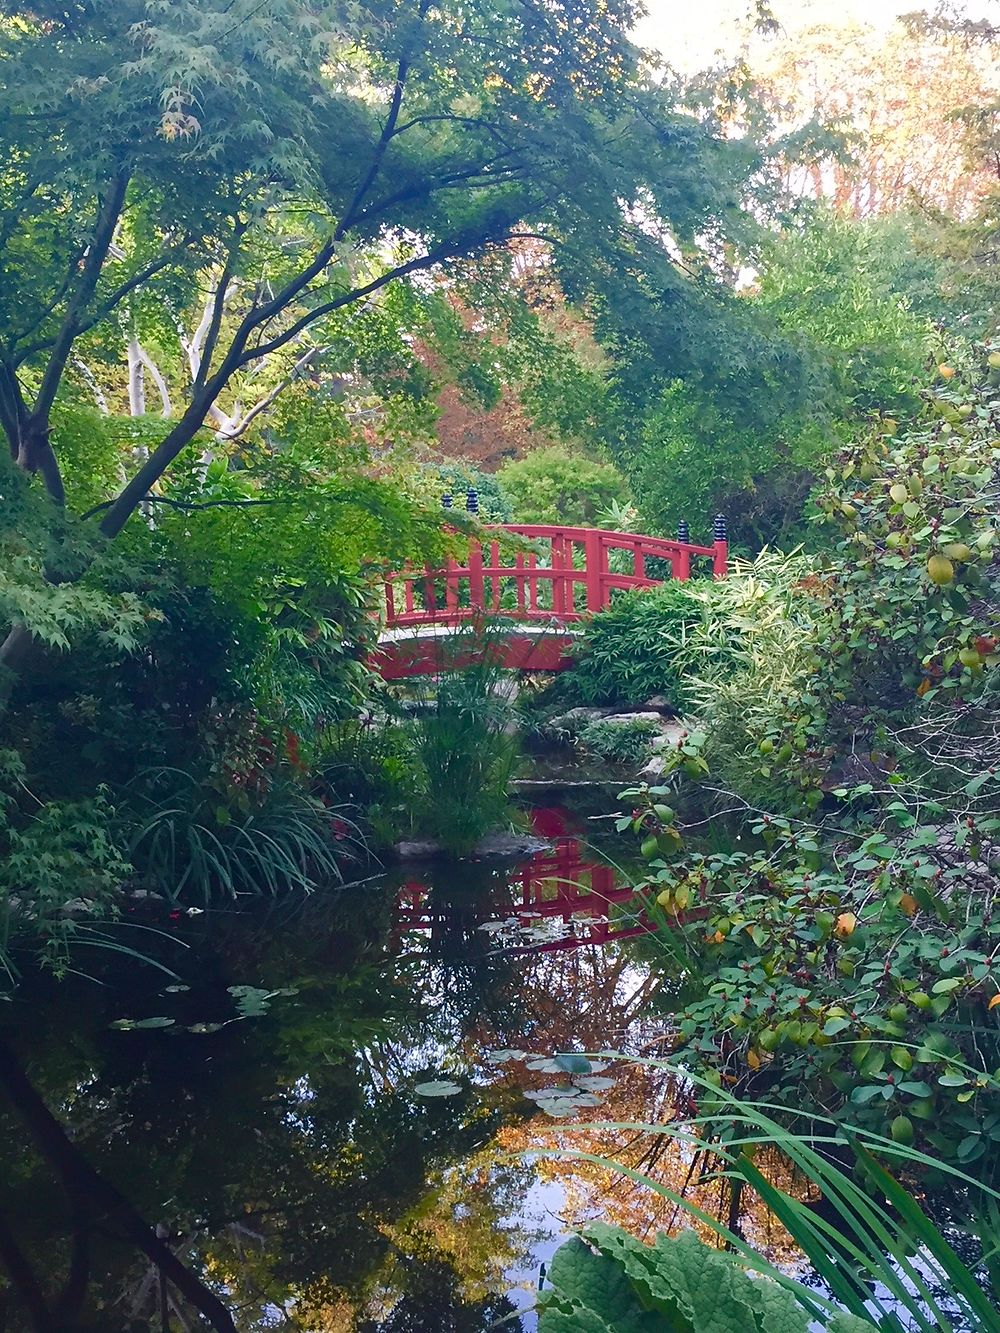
(136, 380)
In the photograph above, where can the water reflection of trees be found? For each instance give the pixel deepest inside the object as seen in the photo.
(648, 1096)
(286, 1160)
(272, 1168)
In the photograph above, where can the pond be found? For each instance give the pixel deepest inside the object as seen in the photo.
(325, 1108)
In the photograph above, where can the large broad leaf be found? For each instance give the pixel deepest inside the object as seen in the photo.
(591, 1294)
(706, 1287)
(678, 1285)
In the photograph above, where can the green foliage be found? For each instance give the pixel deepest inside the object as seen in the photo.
(862, 667)
(41, 559)
(553, 486)
(606, 1281)
(456, 478)
(189, 844)
(857, 988)
(620, 742)
(61, 871)
(839, 291)
(630, 652)
(874, 1249)
(839, 285)
(694, 460)
(848, 961)
(463, 748)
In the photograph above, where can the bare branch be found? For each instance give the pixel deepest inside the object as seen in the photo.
(158, 380)
(388, 131)
(237, 429)
(427, 260)
(87, 374)
(193, 346)
(136, 381)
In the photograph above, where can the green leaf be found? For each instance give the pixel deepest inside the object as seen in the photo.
(591, 1294)
(864, 1094)
(915, 1088)
(946, 984)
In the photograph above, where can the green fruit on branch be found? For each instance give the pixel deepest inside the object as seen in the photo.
(901, 1129)
(957, 551)
(940, 570)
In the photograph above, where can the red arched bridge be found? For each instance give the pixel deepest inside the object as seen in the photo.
(542, 579)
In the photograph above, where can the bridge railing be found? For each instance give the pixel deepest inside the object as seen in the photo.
(572, 572)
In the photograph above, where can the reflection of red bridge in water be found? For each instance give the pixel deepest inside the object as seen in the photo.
(564, 575)
(561, 883)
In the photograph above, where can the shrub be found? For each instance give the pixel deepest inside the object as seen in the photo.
(554, 486)
(188, 843)
(61, 871)
(630, 651)
(495, 505)
(620, 742)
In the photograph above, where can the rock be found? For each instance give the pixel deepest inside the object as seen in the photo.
(659, 703)
(654, 769)
(669, 737)
(418, 849)
(511, 844)
(625, 719)
(502, 846)
(575, 718)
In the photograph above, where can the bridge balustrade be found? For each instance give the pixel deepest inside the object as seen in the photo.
(567, 574)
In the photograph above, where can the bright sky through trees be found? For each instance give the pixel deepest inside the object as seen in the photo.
(690, 35)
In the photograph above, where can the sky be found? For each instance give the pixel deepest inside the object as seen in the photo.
(689, 32)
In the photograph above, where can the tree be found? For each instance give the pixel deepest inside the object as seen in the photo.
(290, 161)
(897, 98)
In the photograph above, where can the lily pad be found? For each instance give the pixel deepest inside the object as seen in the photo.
(131, 1024)
(573, 1064)
(438, 1088)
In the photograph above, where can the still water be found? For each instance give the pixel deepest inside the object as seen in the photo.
(328, 1110)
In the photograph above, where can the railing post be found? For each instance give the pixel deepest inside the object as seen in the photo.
(593, 550)
(560, 587)
(477, 591)
(720, 559)
(451, 592)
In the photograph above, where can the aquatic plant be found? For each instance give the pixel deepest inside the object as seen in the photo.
(464, 749)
